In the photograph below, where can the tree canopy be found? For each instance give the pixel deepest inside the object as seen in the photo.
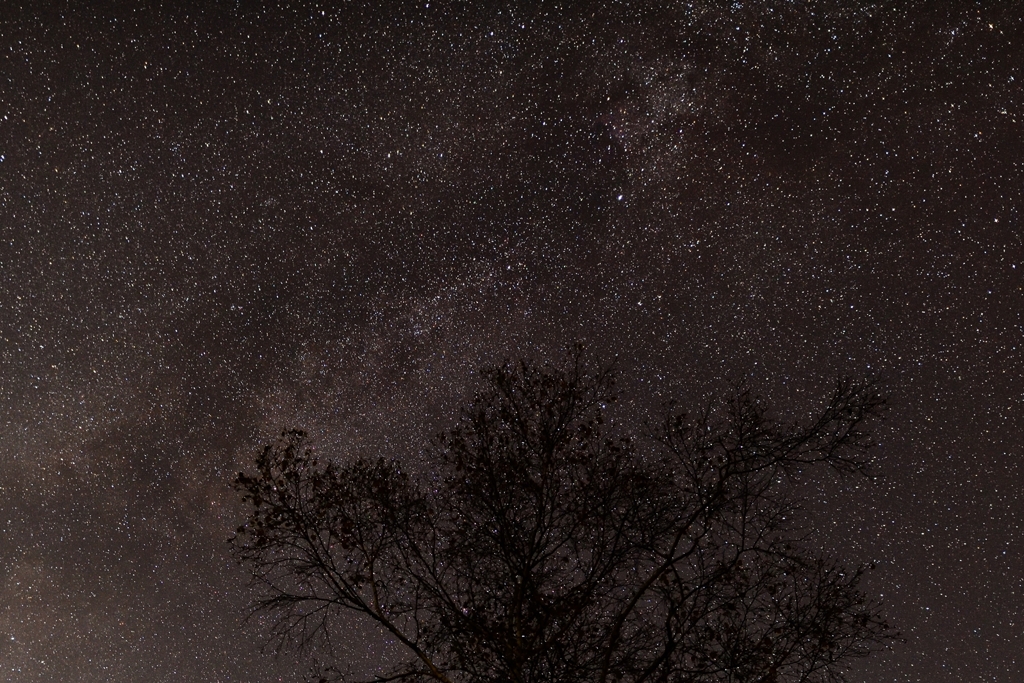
(550, 544)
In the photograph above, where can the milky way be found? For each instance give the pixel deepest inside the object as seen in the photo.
(216, 223)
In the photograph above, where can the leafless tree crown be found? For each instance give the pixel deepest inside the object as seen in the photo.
(553, 547)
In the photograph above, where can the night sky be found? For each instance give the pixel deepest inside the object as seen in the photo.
(218, 220)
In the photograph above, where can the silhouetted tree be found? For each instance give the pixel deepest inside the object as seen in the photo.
(551, 545)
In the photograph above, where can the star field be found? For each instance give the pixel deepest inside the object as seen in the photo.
(220, 220)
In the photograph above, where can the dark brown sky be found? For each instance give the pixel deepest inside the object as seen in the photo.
(221, 219)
